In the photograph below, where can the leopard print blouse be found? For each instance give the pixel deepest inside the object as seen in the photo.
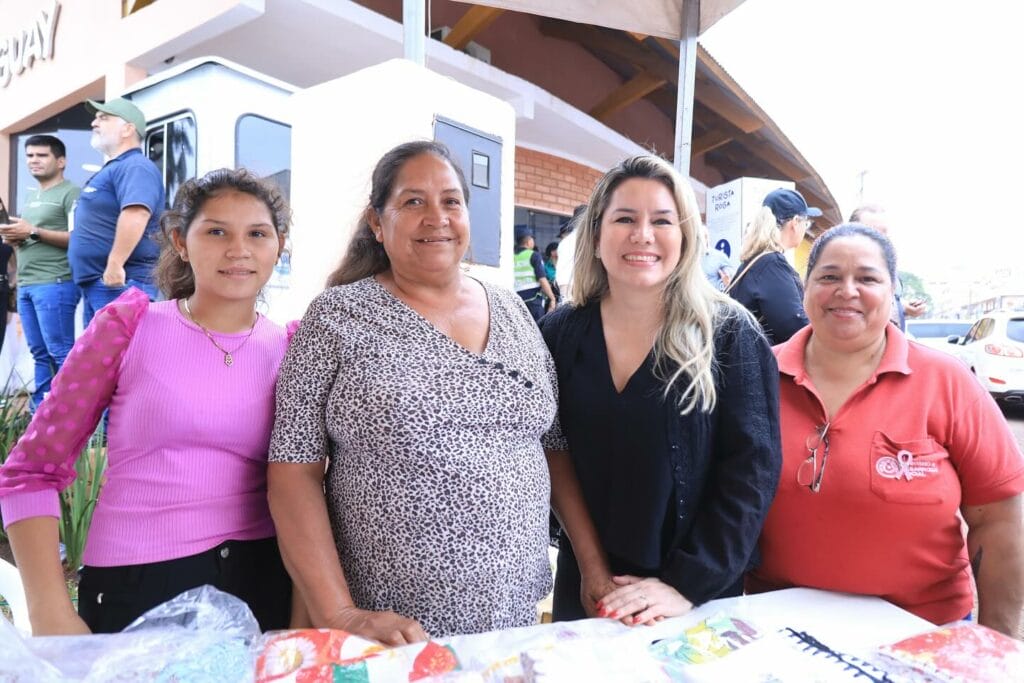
(437, 486)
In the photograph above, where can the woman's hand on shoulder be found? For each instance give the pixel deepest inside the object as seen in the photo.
(386, 628)
(639, 600)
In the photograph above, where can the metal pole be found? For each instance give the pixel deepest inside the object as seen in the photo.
(414, 21)
(690, 14)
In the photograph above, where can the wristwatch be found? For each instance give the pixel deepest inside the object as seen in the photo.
(34, 234)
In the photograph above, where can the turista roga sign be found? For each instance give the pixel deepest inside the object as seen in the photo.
(20, 51)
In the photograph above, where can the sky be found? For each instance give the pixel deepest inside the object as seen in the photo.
(925, 96)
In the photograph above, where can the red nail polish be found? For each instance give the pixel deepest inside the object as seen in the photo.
(600, 606)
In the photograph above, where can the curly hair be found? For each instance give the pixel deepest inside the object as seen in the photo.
(174, 276)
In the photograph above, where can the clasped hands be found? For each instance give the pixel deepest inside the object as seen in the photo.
(633, 600)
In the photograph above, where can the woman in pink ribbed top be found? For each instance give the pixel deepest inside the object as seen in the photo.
(189, 384)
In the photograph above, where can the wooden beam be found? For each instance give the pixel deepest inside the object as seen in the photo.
(622, 47)
(475, 20)
(709, 141)
(769, 155)
(612, 43)
(629, 92)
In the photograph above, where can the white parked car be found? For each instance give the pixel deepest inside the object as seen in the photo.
(938, 333)
(994, 350)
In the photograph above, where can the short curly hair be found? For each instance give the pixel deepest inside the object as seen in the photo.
(172, 275)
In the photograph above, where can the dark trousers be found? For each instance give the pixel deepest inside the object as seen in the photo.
(534, 304)
(5, 292)
(110, 598)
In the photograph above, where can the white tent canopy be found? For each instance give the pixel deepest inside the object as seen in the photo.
(660, 18)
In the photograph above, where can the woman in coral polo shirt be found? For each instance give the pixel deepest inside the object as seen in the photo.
(884, 443)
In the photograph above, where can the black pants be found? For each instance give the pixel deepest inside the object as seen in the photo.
(5, 292)
(110, 598)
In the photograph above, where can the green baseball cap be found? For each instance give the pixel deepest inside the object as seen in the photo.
(122, 108)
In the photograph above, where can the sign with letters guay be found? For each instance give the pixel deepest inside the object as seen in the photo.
(731, 206)
(20, 49)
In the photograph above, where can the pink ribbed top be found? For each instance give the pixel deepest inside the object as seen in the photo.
(187, 441)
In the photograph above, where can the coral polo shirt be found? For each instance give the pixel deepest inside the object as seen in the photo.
(916, 441)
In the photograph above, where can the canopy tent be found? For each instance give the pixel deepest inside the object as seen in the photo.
(681, 20)
(661, 18)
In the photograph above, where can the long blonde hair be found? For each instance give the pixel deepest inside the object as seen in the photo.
(684, 350)
(763, 234)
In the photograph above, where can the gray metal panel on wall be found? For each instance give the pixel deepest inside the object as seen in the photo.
(479, 155)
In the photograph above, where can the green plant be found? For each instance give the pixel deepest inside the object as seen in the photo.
(78, 500)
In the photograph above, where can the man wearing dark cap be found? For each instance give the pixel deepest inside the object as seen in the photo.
(531, 280)
(116, 218)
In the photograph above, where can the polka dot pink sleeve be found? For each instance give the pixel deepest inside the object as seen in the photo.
(43, 461)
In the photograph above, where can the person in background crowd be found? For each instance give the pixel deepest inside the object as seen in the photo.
(112, 246)
(888, 448)
(717, 267)
(765, 283)
(47, 297)
(874, 216)
(551, 267)
(426, 393)
(6, 257)
(190, 387)
(668, 401)
(567, 253)
(531, 280)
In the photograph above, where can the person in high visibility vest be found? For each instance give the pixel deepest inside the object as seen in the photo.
(531, 280)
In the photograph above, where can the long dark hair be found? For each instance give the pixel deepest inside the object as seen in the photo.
(365, 256)
(173, 276)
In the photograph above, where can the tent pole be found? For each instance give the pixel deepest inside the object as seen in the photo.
(414, 19)
(690, 15)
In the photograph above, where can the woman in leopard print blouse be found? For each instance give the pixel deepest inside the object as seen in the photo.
(427, 392)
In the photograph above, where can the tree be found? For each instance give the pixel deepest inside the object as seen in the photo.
(913, 288)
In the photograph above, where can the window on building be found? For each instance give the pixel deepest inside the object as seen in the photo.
(265, 147)
(171, 145)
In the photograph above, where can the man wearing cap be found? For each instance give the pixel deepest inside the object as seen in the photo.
(531, 279)
(874, 216)
(116, 217)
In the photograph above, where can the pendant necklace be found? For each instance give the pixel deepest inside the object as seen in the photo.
(229, 357)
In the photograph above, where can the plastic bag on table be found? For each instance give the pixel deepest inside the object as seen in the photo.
(201, 635)
(18, 663)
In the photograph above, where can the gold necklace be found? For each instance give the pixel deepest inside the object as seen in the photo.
(229, 358)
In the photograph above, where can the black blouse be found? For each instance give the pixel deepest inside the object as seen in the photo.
(772, 292)
(680, 497)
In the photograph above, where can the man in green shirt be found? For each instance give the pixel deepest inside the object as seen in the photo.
(47, 296)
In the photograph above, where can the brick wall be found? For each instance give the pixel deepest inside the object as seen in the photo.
(549, 183)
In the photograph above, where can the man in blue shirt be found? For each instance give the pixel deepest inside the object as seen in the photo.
(116, 217)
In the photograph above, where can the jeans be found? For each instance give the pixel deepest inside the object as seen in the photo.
(96, 295)
(47, 314)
